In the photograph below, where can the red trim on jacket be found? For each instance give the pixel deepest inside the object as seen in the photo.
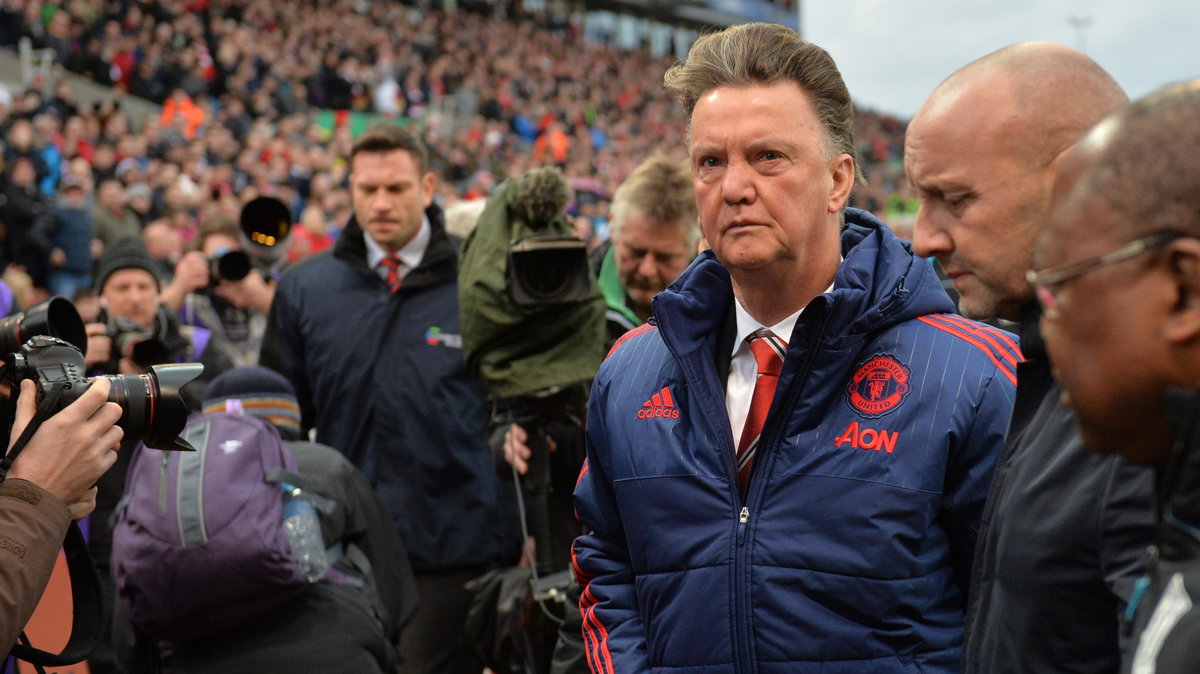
(1007, 370)
(644, 327)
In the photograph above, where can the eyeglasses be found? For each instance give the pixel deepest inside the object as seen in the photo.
(1046, 281)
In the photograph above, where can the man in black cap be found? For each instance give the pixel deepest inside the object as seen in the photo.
(134, 330)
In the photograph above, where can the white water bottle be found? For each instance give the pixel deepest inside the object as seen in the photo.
(304, 534)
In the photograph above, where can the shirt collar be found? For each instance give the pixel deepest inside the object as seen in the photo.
(410, 255)
(748, 325)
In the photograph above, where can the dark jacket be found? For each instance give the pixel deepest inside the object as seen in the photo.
(851, 549)
(1163, 621)
(1061, 540)
(69, 229)
(382, 378)
(21, 207)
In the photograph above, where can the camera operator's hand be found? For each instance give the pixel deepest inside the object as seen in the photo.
(516, 452)
(99, 345)
(252, 292)
(191, 274)
(71, 449)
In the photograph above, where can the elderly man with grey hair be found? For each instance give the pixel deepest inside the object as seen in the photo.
(786, 467)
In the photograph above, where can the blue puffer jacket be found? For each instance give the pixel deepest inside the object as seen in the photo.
(851, 551)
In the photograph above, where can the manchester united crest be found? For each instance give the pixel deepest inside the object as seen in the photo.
(878, 386)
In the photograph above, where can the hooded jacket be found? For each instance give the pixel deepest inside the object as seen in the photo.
(382, 378)
(851, 549)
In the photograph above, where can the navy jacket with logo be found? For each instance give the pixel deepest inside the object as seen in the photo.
(382, 378)
(852, 548)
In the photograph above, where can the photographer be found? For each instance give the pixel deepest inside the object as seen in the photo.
(49, 485)
(654, 235)
(216, 288)
(136, 330)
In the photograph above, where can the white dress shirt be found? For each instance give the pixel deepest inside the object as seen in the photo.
(743, 371)
(410, 255)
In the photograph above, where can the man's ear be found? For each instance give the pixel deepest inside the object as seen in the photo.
(842, 168)
(428, 185)
(1183, 258)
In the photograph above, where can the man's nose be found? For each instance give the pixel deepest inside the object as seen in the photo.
(380, 202)
(737, 185)
(647, 266)
(930, 239)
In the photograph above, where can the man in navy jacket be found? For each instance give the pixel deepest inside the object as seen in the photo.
(375, 355)
(848, 547)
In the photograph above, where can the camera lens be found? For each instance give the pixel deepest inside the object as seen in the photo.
(233, 266)
(56, 317)
(151, 407)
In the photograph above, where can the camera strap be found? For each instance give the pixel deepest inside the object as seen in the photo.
(90, 612)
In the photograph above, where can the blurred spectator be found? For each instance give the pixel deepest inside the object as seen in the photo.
(23, 204)
(65, 234)
(181, 112)
(311, 234)
(138, 201)
(165, 247)
(19, 144)
(111, 216)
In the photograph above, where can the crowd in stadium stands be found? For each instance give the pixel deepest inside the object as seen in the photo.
(262, 97)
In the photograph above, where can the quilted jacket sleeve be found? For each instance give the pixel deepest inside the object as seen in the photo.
(613, 631)
(969, 474)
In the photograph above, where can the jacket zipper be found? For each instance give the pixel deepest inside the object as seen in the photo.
(744, 632)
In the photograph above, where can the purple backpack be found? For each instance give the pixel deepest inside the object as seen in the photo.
(198, 545)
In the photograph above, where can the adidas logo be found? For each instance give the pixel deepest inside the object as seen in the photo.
(660, 406)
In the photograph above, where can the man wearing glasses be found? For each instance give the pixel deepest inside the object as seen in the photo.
(1119, 282)
(1063, 530)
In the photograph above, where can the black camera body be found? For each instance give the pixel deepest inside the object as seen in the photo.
(132, 341)
(151, 408)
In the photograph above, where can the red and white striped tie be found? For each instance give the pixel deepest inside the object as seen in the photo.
(392, 264)
(768, 353)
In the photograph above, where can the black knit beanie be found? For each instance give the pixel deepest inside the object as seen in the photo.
(127, 253)
(260, 392)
